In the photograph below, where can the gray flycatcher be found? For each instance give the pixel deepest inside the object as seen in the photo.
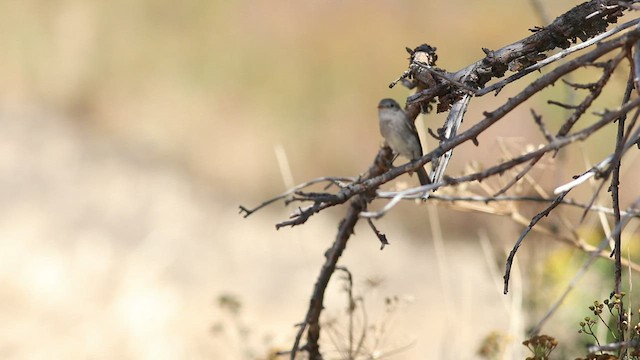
(400, 134)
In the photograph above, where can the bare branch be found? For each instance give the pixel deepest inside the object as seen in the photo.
(331, 180)
(526, 231)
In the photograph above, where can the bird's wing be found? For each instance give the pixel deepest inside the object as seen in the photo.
(411, 127)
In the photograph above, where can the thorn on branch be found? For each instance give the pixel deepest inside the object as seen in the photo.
(382, 237)
(300, 216)
(562, 105)
(246, 211)
(589, 86)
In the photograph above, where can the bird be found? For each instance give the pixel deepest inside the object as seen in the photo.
(400, 134)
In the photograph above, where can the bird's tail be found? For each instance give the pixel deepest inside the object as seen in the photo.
(423, 177)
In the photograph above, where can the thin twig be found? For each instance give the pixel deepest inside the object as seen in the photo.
(382, 237)
(351, 307)
(526, 231)
(543, 129)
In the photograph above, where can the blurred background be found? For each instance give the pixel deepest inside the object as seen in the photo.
(131, 131)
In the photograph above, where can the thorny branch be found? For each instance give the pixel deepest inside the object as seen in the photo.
(453, 92)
